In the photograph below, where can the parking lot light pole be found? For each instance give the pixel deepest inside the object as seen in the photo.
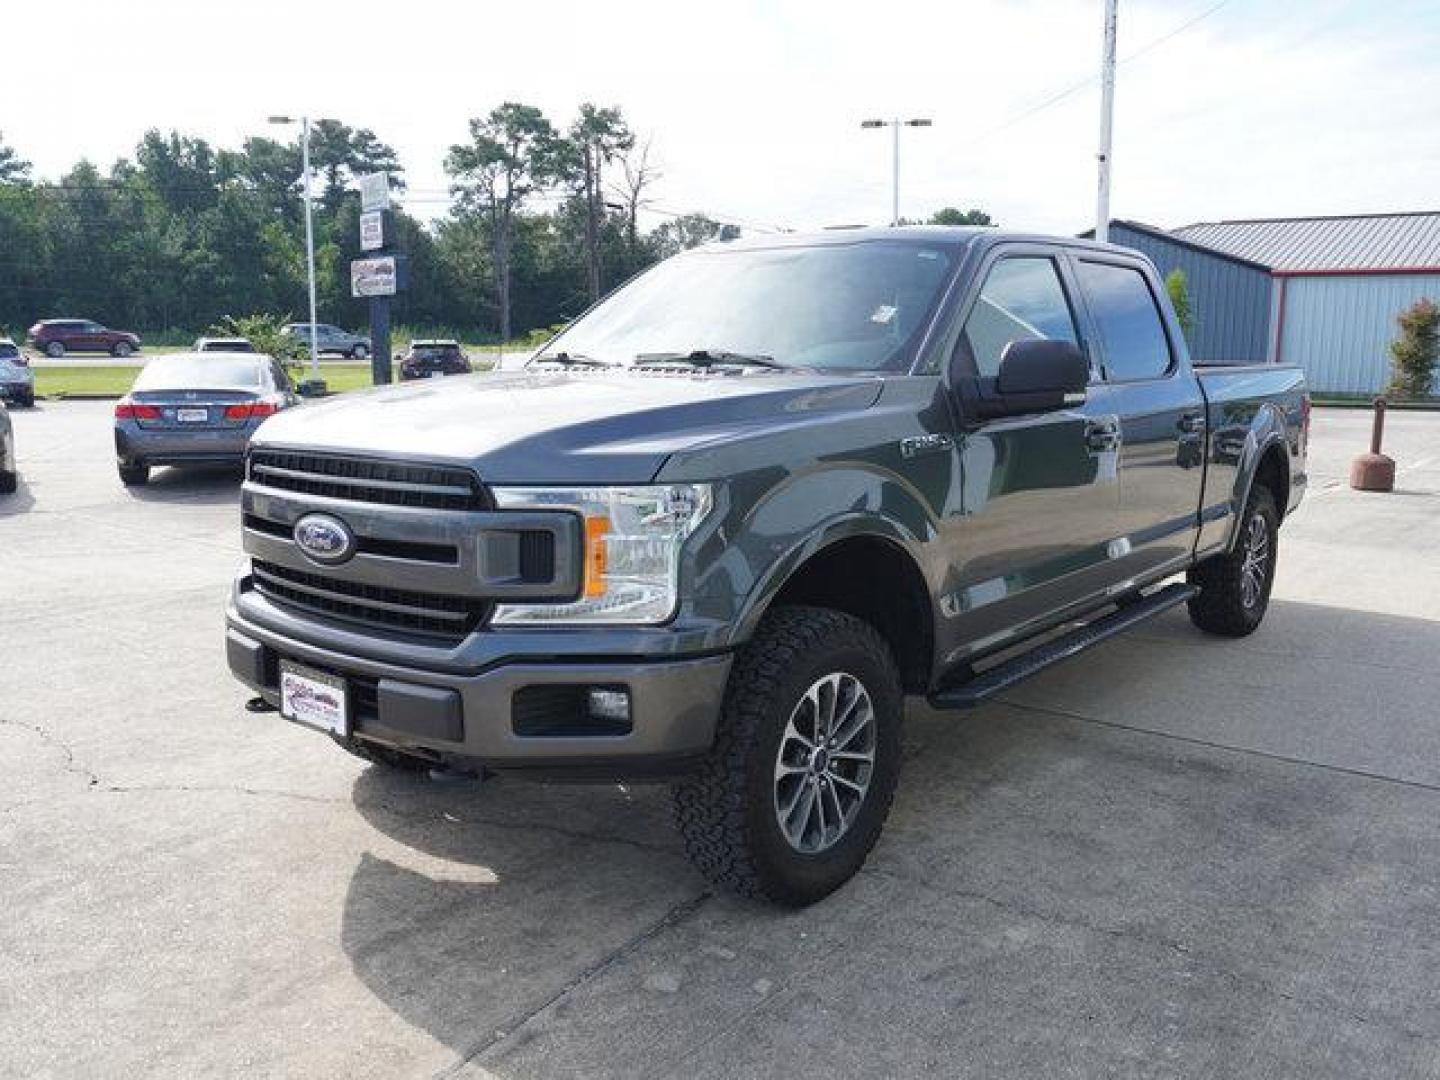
(895, 125)
(309, 236)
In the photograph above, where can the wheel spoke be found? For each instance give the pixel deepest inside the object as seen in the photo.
(858, 789)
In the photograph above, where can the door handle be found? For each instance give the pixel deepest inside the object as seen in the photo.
(1192, 423)
(1102, 435)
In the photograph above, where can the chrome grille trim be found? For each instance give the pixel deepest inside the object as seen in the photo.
(368, 480)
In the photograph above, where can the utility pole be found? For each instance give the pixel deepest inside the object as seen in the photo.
(1107, 120)
(895, 125)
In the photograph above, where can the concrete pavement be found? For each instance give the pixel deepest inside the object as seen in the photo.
(1177, 856)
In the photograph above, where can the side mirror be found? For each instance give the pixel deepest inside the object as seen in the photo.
(1039, 375)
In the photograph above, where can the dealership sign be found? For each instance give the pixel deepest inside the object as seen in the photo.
(374, 277)
(372, 230)
(374, 191)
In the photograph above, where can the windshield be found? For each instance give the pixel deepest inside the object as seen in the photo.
(859, 306)
(196, 372)
(8, 351)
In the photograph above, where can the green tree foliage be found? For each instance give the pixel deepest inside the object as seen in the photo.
(1415, 352)
(13, 169)
(951, 215)
(182, 234)
(513, 152)
(1178, 288)
(595, 139)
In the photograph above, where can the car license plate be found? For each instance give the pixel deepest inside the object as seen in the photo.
(314, 698)
(192, 416)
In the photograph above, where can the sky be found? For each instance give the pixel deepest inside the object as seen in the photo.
(1248, 108)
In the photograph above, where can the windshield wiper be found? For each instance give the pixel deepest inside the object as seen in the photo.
(709, 358)
(572, 360)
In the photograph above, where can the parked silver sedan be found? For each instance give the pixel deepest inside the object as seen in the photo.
(196, 409)
(9, 471)
(17, 380)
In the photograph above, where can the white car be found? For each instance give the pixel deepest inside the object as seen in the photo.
(17, 380)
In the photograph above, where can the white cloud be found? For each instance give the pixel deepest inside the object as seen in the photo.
(1263, 108)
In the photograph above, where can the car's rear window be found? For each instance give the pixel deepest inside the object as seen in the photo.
(434, 352)
(199, 372)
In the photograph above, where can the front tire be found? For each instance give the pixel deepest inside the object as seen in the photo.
(122, 350)
(9, 483)
(796, 788)
(55, 350)
(133, 474)
(360, 352)
(1235, 587)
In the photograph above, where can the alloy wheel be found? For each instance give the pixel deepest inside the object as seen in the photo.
(824, 764)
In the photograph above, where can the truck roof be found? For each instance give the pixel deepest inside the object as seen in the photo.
(949, 235)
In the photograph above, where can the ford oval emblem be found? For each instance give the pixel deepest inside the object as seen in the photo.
(324, 539)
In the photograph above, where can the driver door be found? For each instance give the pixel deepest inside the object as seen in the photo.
(1040, 507)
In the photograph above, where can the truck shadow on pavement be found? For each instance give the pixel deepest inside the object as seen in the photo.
(1242, 888)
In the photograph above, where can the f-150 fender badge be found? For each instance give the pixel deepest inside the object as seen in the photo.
(915, 445)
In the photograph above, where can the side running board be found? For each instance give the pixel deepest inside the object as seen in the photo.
(1003, 676)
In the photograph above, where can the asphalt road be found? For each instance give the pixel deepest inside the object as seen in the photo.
(1177, 856)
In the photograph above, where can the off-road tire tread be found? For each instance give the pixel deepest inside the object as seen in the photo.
(710, 804)
(1218, 608)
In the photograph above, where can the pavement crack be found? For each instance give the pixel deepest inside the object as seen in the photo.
(72, 763)
(677, 914)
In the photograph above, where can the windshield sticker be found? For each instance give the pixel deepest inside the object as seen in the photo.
(883, 314)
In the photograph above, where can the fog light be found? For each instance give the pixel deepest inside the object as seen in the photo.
(608, 704)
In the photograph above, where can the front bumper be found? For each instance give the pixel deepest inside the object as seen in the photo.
(495, 718)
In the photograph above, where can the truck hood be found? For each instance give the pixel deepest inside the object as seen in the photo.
(562, 427)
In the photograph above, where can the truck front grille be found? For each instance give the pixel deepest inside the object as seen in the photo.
(393, 483)
(447, 617)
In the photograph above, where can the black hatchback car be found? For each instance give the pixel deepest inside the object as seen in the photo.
(432, 359)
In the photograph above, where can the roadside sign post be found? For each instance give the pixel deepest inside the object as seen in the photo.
(380, 275)
(377, 279)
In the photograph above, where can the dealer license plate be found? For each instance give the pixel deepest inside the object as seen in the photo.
(192, 416)
(314, 698)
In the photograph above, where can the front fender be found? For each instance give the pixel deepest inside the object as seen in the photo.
(809, 512)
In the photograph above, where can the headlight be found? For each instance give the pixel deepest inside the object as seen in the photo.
(633, 537)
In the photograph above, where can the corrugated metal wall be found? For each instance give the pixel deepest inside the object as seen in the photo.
(1230, 302)
(1339, 327)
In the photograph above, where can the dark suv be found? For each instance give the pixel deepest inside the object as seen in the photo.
(56, 337)
(431, 359)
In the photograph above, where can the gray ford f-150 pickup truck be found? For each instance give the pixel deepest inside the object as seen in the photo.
(727, 520)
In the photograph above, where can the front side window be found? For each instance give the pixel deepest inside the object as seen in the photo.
(1131, 332)
(1021, 300)
(859, 306)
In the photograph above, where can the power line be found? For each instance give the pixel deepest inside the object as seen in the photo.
(1061, 95)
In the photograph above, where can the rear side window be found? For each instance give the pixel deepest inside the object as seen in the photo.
(1131, 331)
(1022, 299)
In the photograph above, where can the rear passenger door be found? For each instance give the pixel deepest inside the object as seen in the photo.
(1161, 411)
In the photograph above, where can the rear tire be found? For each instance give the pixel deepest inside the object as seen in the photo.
(55, 350)
(1235, 587)
(9, 483)
(135, 474)
(771, 813)
(122, 349)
